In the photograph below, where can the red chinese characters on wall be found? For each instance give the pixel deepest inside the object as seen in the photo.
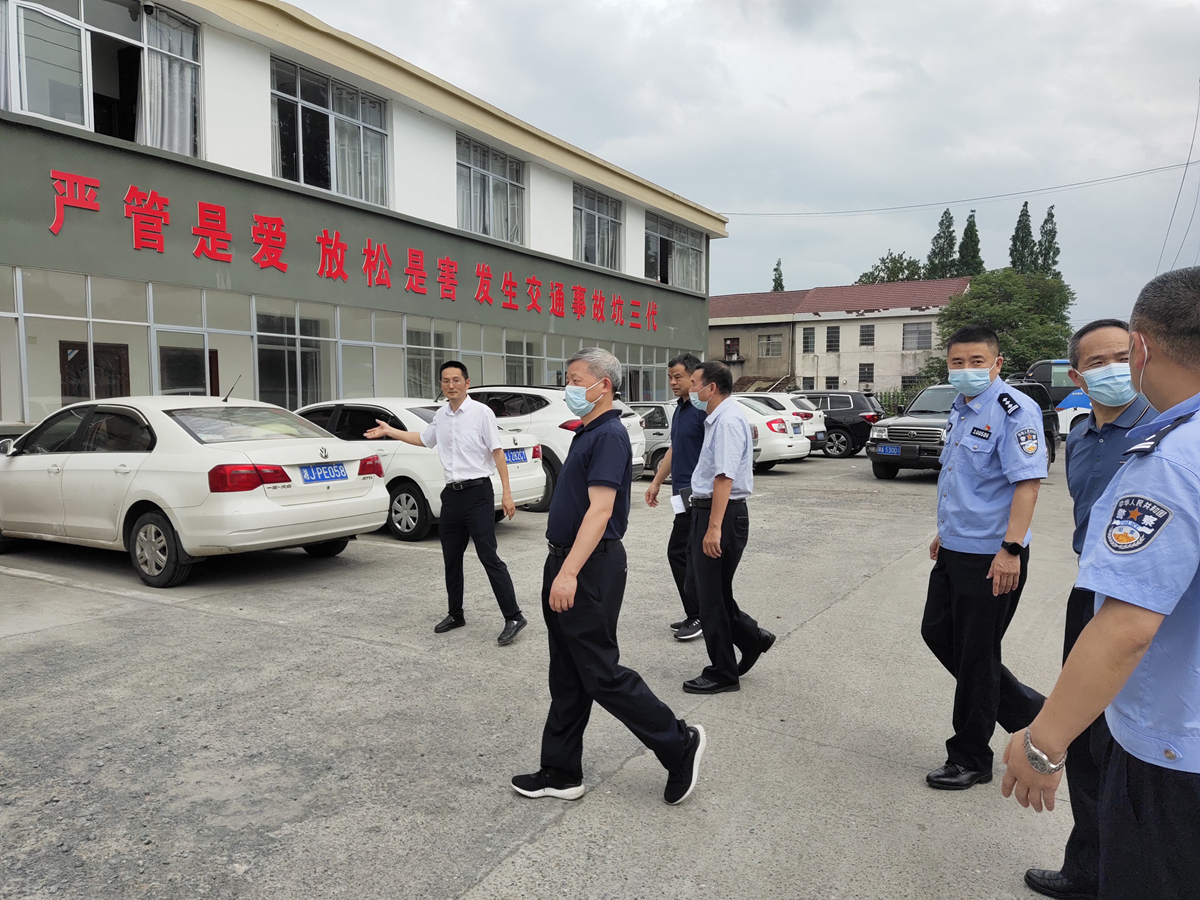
(213, 233)
(509, 289)
(378, 265)
(598, 305)
(483, 293)
(579, 301)
(448, 277)
(533, 287)
(270, 235)
(75, 191)
(149, 214)
(415, 272)
(616, 313)
(557, 299)
(635, 313)
(333, 255)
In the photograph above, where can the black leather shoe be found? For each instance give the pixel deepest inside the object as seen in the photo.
(511, 627)
(766, 640)
(704, 685)
(1056, 884)
(954, 778)
(449, 623)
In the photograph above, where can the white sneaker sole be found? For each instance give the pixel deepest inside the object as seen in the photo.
(559, 794)
(689, 637)
(695, 764)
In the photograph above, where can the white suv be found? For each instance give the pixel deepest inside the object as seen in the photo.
(543, 413)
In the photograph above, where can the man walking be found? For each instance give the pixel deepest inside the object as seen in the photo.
(467, 439)
(1099, 355)
(992, 466)
(583, 585)
(721, 483)
(687, 436)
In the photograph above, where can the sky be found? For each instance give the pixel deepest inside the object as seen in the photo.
(772, 106)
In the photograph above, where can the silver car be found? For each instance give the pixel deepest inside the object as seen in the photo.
(656, 423)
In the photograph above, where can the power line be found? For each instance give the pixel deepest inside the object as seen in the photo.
(1179, 193)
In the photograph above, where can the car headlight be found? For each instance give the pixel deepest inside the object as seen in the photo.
(879, 432)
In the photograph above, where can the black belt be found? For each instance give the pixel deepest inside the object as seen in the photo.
(706, 502)
(560, 551)
(461, 485)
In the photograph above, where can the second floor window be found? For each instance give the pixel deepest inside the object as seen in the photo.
(833, 339)
(597, 228)
(866, 335)
(808, 340)
(327, 135)
(866, 373)
(770, 345)
(491, 191)
(733, 348)
(674, 253)
(917, 336)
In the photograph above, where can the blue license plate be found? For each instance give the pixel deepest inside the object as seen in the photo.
(797, 427)
(313, 474)
(887, 449)
(820, 435)
(515, 456)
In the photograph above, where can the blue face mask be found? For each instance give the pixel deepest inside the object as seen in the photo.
(971, 382)
(577, 401)
(1110, 385)
(694, 396)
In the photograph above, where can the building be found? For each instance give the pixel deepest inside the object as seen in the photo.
(857, 337)
(228, 195)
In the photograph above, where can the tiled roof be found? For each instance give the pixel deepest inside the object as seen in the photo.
(845, 298)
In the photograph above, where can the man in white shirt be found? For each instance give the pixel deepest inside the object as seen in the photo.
(468, 444)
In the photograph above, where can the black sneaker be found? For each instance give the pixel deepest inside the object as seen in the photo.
(449, 623)
(689, 630)
(675, 626)
(548, 783)
(682, 781)
(511, 627)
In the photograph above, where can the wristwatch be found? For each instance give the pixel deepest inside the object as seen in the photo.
(1039, 760)
(1012, 547)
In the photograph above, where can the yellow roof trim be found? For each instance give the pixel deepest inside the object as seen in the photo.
(298, 29)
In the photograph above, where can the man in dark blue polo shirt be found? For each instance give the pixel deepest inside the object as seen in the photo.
(1099, 355)
(583, 584)
(687, 437)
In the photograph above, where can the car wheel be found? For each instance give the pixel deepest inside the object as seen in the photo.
(838, 444)
(656, 461)
(551, 479)
(764, 467)
(7, 545)
(1075, 421)
(408, 513)
(885, 471)
(154, 549)
(326, 549)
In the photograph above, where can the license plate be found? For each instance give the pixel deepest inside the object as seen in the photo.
(887, 449)
(797, 428)
(515, 456)
(820, 435)
(313, 474)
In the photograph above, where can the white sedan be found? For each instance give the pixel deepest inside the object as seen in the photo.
(174, 480)
(414, 475)
(776, 440)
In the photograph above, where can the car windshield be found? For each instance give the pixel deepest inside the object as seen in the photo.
(758, 407)
(873, 402)
(801, 403)
(217, 424)
(936, 399)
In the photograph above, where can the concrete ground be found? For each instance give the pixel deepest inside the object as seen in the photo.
(286, 727)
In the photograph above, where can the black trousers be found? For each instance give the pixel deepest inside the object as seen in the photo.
(964, 625)
(1149, 828)
(725, 625)
(585, 667)
(1081, 862)
(470, 514)
(679, 556)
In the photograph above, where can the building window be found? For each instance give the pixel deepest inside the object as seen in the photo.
(770, 345)
(327, 135)
(809, 340)
(733, 348)
(117, 68)
(831, 382)
(597, 228)
(808, 383)
(866, 335)
(833, 339)
(491, 191)
(866, 373)
(908, 382)
(674, 253)
(917, 336)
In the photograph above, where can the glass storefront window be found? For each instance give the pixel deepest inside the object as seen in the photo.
(419, 333)
(389, 328)
(355, 323)
(275, 316)
(8, 298)
(229, 312)
(445, 334)
(389, 371)
(474, 364)
(316, 320)
(57, 364)
(121, 359)
(493, 370)
(318, 371)
(113, 298)
(182, 366)
(231, 363)
(10, 373)
(176, 305)
(471, 336)
(277, 376)
(420, 373)
(493, 340)
(358, 371)
(53, 293)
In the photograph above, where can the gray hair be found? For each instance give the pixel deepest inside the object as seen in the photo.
(600, 363)
(1168, 309)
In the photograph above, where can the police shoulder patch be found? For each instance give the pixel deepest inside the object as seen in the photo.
(1010, 405)
(1134, 523)
(1027, 440)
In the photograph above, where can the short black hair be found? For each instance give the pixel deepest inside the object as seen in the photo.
(1073, 343)
(975, 334)
(716, 372)
(687, 360)
(453, 364)
(1168, 309)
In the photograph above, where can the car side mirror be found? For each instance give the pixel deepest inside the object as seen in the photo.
(899, 409)
(6, 446)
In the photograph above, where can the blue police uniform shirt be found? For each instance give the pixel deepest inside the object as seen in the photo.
(728, 450)
(1141, 548)
(993, 442)
(687, 436)
(600, 454)
(1093, 457)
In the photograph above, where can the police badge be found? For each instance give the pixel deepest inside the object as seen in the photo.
(1134, 523)
(1027, 440)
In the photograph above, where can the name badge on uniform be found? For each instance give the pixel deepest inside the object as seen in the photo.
(1135, 522)
(982, 433)
(1027, 440)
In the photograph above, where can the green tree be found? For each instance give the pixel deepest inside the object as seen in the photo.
(1022, 249)
(970, 262)
(892, 267)
(1029, 312)
(1047, 247)
(941, 262)
(777, 283)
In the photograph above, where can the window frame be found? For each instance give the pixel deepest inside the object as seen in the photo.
(808, 339)
(579, 213)
(866, 335)
(736, 343)
(656, 232)
(487, 219)
(918, 334)
(833, 339)
(770, 342)
(866, 368)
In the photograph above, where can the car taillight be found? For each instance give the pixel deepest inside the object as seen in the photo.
(572, 424)
(370, 466)
(272, 474)
(232, 478)
(754, 431)
(642, 422)
(804, 415)
(778, 426)
(870, 417)
(537, 452)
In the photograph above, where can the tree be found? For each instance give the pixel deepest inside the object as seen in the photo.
(941, 262)
(1029, 312)
(1047, 247)
(777, 283)
(1022, 250)
(892, 267)
(970, 262)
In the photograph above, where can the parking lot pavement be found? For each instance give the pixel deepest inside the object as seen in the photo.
(287, 727)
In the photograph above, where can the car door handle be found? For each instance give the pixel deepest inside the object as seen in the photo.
(122, 469)
(54, 469)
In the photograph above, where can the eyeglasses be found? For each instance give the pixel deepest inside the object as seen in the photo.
(452, 382)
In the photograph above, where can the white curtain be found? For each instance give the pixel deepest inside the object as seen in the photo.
(348, 165)
(172, 93)
(3, 55)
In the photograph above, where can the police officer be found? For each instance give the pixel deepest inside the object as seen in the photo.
(992, 466)
(468, 444)
(1099, 355)
(583, 584)
(721, 484)
(1138, 660)
(687, 436)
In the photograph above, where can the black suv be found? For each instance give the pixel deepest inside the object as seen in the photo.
(849, 416)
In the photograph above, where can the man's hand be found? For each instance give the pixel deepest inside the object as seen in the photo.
(712, 540)
(1005, 573)
(1032, 788)
(381, 430)
(652, 495)
(935, 547)
(506, 503)
(562, 592)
